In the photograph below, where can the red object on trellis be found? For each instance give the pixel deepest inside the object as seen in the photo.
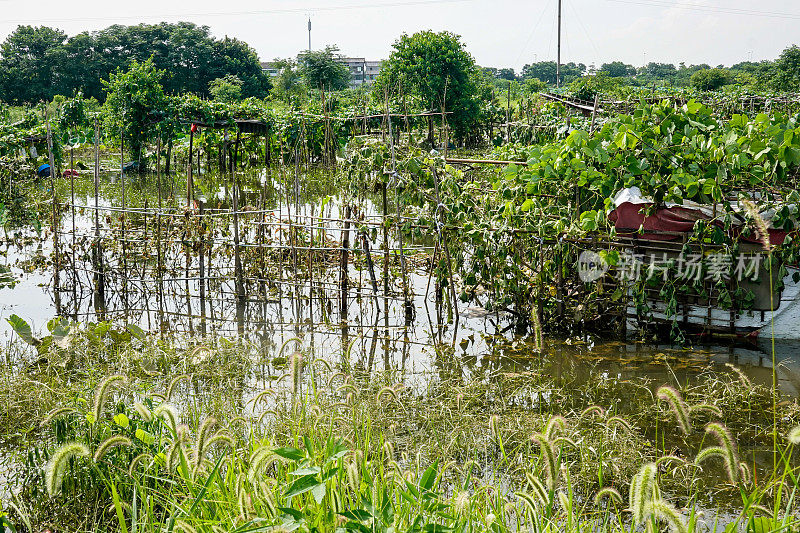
(194, 128)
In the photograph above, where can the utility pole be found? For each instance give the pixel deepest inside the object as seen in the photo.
(558, 62)
(309, 33)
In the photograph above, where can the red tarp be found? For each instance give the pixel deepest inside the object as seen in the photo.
(668, 223)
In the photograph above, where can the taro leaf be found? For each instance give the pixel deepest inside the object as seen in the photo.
(301, 485)
(23, 329)
(61, 334)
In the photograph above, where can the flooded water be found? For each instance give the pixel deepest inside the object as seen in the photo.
(292, 246)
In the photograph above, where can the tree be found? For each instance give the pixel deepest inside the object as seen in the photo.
(288, 82)
(507, 74)
(226, 89)
(618, 69)
(710, 79)
(588, 87)
(134, 104)
(322, 69)
(546, 71)
(787, 70)
(436, 68)
(232, 56)
(38, 62)
(661, 71)
(29, 61)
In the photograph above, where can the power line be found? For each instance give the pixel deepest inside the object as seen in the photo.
(530, 35)
(704, 8)
(276, 11)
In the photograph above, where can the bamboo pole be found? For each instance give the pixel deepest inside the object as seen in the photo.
(345, 260)
(54, 222)
(123, 221)
(189, 184)
(100, 291)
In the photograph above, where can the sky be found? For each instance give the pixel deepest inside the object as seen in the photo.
(498, 33)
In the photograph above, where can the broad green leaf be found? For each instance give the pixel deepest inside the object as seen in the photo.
(300, 486)
(293, 454)
(23, 329)
(121, 420)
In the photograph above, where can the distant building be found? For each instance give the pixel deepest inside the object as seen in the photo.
(270, 68)
(362, 72)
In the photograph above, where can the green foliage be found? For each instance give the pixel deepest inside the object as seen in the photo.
(618, 69)
(710, 79)
(226, 89)
(288, 82)
(38, 63)
(30, 61)
(321, 69)
(787, 70)
(436, 68)
(588, 87)
(546, 71)
(134, 103)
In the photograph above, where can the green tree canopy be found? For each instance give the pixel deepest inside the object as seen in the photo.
(134, 105)
(190, 56)
(787, 70)
(288, 81)
(323, 69)
(226, 89)
(29, 64)
(436, 68)
(710, 79)
(618, 69)
(546, 71)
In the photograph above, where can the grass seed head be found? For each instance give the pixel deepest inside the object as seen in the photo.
(102, 392)
(110, 443)
(643, 491)
(57, 465)
(729, 447)
(678, 407)
(143, 411)
(549, 459)
(668, 513)
(609, 493)
(760, 223)
(173, 385)
(794, 436)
